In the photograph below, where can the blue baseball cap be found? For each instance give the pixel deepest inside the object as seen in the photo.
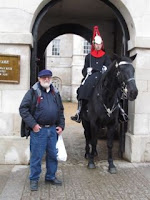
(45, 72)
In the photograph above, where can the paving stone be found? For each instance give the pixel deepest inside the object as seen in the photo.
(15, 184)
(132, 181)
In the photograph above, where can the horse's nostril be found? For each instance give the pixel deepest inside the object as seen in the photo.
(133, 94)
(136, 92)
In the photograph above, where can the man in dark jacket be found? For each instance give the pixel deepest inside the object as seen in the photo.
(42, 114)
(96, 63)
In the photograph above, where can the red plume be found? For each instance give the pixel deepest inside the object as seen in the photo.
(95, 53)
(95, 31)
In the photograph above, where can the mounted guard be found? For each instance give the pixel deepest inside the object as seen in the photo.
(96, 63)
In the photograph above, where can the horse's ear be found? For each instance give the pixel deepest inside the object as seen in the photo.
(133, 57)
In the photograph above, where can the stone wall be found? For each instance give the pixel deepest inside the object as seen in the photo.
(16, 21)
(11, 145)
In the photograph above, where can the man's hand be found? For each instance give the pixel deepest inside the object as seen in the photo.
(58, 130)
(36, 128)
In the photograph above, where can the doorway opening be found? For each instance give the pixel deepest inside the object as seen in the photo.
(64, 17)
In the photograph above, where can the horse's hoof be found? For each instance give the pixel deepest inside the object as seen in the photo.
(91, 166)
(112, 170)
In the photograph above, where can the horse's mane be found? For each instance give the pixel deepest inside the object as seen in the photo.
(111, 67)
(104, 76)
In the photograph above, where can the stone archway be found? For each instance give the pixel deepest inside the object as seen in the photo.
(84, 29)
(62, 28)
(53, 32)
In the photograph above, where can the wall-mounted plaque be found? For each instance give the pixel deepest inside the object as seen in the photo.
(9, 68)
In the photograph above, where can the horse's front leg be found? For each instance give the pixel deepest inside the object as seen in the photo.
(94, 150)
(87, 145)
(110, 136)
(87, 135)
(91, 164)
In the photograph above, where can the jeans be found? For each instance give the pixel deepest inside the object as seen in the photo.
(41, 142)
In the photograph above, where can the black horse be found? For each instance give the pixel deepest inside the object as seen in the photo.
(103, 108)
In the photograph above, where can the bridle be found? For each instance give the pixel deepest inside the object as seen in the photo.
(123, 90)
(124, 83)
(125, 63)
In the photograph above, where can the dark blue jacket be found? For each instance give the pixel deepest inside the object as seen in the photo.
(29, 104)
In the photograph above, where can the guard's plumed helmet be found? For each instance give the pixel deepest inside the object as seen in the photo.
(97, 39)
(96, 36)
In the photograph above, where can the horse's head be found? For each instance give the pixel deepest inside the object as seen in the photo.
(125, 76)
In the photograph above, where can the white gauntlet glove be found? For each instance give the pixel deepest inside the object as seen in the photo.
(89, 70)
(104, 69)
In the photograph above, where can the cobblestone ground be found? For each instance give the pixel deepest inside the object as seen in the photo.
(132, 181)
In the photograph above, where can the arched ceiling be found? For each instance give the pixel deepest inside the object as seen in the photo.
(81, 9)
(66, 14)
(84, 12)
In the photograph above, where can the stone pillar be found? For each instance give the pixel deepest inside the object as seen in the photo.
(137, 144)
(77, 64)
(13, 148)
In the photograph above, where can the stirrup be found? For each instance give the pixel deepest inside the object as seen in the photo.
(76, 118)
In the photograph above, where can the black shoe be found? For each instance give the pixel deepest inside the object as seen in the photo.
(54, 182)
(76, 118)
(33, 185)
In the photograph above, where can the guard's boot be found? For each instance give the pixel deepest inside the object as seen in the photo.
(77, 118)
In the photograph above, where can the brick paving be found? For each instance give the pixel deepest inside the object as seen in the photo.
(132, 181)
